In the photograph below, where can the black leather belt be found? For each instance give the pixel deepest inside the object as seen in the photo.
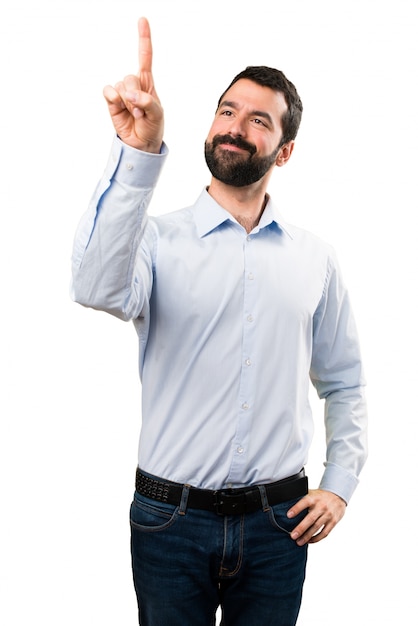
(222, 501)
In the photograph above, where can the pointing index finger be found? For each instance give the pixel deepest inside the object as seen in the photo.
(145, 46)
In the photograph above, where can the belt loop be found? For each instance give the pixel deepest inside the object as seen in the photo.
(264, 501)
(184, 498)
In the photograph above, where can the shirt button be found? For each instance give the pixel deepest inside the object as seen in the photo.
(129, 166)
(248, 237)
(240, 449)
(250, 276)
(245, 406)
(250, 318)
(247, 362)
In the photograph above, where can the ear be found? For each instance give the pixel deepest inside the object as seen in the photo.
(285, 153)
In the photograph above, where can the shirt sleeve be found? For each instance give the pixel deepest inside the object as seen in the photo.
(110, 233)
(337, 374)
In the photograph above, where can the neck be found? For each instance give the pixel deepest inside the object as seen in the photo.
(245, 204)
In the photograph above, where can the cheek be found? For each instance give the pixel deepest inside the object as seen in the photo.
(219, 127)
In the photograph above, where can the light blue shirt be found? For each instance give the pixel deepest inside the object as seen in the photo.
(232, 327)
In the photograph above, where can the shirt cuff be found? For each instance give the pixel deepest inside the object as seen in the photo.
(339, 481)
(133, 167)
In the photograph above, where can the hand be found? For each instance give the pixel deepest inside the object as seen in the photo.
(133, 103)
(325, 509)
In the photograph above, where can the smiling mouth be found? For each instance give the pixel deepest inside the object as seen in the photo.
(231, 144)
(229, 149)
(232, 147)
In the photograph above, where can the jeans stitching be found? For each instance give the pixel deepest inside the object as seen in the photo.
(275, 523)
(224, 572)
(171, 517)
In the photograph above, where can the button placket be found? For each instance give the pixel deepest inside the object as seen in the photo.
(246, 392)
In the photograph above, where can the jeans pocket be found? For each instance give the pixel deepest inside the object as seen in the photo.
(150, 515)
(278, 516)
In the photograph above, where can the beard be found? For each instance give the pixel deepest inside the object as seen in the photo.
(233, 168)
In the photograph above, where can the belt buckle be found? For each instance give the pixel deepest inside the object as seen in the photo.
(227, 503)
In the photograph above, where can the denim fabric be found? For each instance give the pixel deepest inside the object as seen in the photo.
(187, 562)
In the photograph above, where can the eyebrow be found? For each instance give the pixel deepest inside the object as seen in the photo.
(233, 105)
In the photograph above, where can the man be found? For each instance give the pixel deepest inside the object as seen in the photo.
(235, 310)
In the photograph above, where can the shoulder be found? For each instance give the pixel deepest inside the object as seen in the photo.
(178, 218)
(311, 246)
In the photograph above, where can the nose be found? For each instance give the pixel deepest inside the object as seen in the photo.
(237, 127)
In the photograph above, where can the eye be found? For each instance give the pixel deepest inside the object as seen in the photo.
(226, 112)
(257, 120)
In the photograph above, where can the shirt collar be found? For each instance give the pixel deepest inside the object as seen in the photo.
(271, 215)
(209, 215)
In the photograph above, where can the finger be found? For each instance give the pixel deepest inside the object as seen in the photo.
(304, 526)
(145, 46)
(319, 535)
(300, 506)
(314, 533)
(125, 92)
(113, 97)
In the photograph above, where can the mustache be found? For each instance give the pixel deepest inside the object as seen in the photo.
(239, 142)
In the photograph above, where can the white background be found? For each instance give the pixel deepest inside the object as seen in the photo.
(70, 398)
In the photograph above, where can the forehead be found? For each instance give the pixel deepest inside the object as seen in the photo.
(249, 96)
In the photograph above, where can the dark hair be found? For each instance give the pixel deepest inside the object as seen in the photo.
(276, 80)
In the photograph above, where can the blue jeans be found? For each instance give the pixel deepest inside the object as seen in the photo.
(187, 562)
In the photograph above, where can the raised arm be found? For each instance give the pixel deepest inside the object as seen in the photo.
(110, 232)
(134, 106)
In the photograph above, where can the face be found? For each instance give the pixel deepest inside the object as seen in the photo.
(243, 142)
